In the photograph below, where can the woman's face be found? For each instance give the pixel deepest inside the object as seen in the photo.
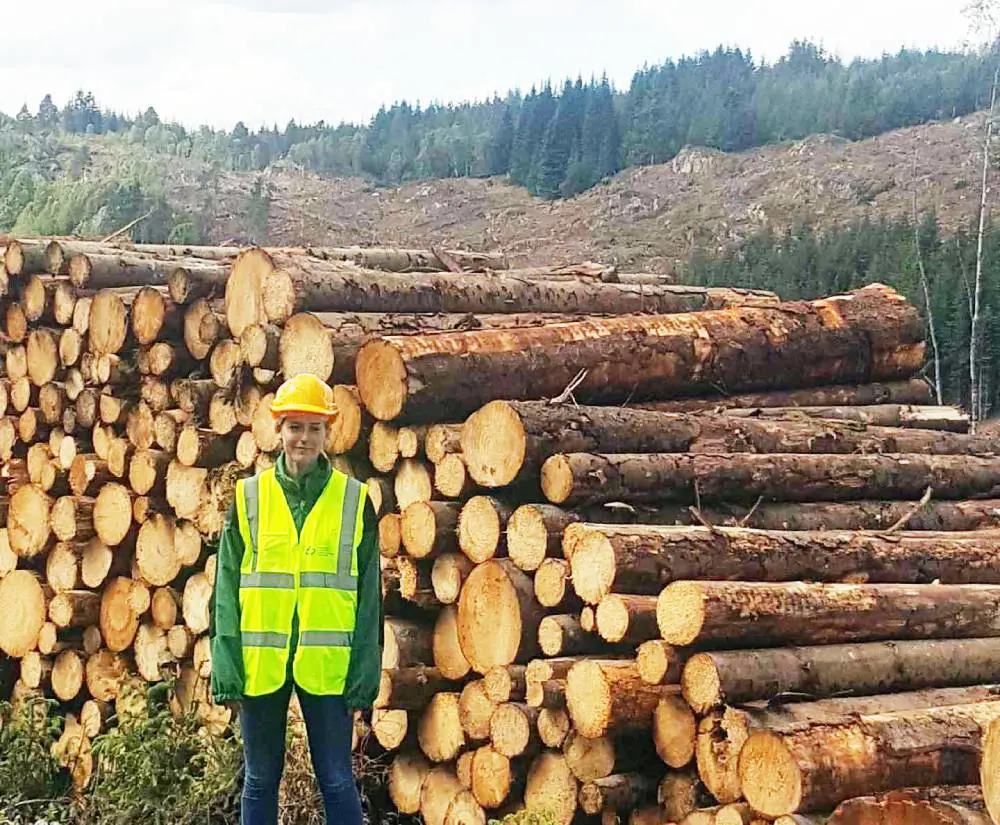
(303, 437)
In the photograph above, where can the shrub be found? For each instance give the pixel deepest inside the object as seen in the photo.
(155, 767)
(32, 785)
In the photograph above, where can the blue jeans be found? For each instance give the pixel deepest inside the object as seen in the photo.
(329, 726)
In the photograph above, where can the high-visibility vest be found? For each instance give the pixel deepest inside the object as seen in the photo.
(314, 574)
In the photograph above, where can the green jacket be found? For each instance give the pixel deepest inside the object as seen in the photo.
(366, 650)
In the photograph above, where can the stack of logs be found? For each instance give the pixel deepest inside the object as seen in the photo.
(653, 608)
(135, 390)
(651, 553)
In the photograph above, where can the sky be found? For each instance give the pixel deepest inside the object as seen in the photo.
(266, 61)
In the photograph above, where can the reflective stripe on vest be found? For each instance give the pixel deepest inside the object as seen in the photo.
(312, 574)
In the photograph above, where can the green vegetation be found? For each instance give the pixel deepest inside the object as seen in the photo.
(32, 786)
(803, 263)
(554, 140)
(160, 768)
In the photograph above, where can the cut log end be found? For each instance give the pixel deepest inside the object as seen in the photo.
(557, 479)
(552, 787)
(527, 537)
(493, 444)
(680, 612)
(382, 379)
(658, 663)
(989, 769)
(23, 614)
(701, 684)
(769, 775)
(112, 514)
(674, 731)
(479, 528)
(305, 346)
(490, 621)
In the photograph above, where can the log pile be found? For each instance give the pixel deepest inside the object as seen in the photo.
(612, 589)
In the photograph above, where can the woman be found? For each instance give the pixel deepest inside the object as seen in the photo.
(298, 603)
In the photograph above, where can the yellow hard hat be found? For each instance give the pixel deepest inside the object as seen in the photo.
(305, 393)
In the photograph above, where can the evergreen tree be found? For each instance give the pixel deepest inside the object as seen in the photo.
(502, 146)
(48, 114)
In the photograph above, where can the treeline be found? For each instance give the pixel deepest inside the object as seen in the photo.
(558, 141)
(805, 263)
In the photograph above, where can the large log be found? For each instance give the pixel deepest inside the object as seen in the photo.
(867, 335)
(912, 391)
(822, 765)
(275, 286)
(712, 679)
(588, 478)
(506, 442)
(498, 616)
(723, 733)
(747, 614)
(643, 559)
(537, 531)
(24, 611)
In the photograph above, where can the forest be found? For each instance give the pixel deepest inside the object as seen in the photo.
(807, 263)
(559, 139)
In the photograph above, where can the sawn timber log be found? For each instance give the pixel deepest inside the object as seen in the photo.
(871, 334)
(643, 559)
(733, 677)
(507, 441)
(586, 478)
(273, 287)
(822, 765)
(766, 614)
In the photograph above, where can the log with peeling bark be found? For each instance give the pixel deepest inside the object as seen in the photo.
(410, 688)
(912, 391)
(275, 286)
(507, 441)
(745, 614)
(935, 746)
(903, 416)
(872, 333)
(942, 805)
(712, 679)
(587, 478)
(642, 559)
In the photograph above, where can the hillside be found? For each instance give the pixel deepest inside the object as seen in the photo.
(646, 218)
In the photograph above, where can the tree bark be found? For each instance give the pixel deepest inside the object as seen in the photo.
(712, 679)
(947, 419)
(586, 478)
(871, 334)
(745, 614)
(911, 391)
(956, 805)
(410, 688)
(618, 792)
(643, 559)
(810, 770)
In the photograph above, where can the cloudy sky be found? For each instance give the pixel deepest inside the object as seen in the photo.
(264, 61)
